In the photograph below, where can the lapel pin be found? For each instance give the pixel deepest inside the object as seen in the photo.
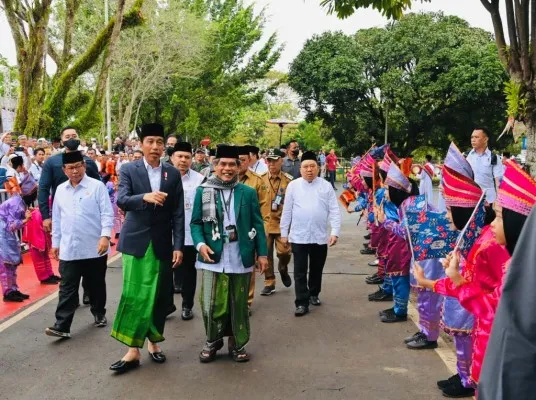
(165, 176)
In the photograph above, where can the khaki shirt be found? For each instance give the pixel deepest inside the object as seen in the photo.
(254, 181)
(275, 184)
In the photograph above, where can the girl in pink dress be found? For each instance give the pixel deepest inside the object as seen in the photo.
(479, 286)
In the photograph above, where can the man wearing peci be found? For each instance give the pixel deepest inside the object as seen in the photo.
(152, 241)
(228, 231)
(309, 204)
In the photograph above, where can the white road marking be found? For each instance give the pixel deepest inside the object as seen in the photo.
(34, 307)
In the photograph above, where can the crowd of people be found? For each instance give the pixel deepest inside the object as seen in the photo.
(457, 291)
(228, 212)
(173, 210)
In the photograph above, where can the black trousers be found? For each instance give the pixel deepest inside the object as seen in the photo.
(332, 175)
(93, 270)
(312, 258)
(185, 275)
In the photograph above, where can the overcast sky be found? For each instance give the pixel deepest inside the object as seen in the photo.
(295, 21)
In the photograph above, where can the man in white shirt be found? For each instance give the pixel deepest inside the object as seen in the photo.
(310, 204)
(37, 165)
(185, 277)
(257, 164)
(228, 232)
(82, 221)
(486, 165)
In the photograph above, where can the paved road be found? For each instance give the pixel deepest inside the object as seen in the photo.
(339, 351)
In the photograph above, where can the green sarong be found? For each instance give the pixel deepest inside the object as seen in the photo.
(145, 297)
(224, 303)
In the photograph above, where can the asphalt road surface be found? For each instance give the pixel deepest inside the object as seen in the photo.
(339, 351)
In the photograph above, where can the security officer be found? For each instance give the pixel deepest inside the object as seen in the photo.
(253, 180)
(276, 182)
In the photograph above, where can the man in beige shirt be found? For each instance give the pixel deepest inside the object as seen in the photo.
(276, 182)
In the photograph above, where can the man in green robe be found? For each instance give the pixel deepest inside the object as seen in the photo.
(228, 232)
(152, 240)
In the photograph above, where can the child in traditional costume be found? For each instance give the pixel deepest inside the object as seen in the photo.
(14, 214)
(481, 267)
(40, 243)
(399, 189)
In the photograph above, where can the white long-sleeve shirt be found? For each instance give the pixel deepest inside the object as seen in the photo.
(308, 207)
(81, 215)
(190, 182)
(231, 260)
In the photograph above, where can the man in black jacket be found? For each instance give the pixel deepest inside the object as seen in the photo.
(152, 241)
(52, 176)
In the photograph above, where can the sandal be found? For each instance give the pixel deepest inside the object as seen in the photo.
(208, 353)
(240, 356)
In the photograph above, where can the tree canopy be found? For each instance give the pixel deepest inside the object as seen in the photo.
(431, 77)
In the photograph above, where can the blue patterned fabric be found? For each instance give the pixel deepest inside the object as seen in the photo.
(401, 294)
(387, 285)
(472, 230)
(432, 235)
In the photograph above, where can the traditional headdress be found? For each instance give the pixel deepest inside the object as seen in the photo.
(517, 191)
(225, 151)
(183, 146)
(72, 157)
(365, 168)
(459, 190)
(243, 150)
(150, 130)
(388, 158)
(396, 179)
(456, 161)
(309, 155)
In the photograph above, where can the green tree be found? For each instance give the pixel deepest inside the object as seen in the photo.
(42, 105)
(10, 72)
(211, 103)
(428, 76)
(518, 55)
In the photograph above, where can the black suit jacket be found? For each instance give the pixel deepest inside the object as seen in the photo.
(144, 222)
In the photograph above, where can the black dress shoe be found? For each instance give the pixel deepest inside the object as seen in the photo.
(380, 295)
(448, 382)
(367, 251)
(100, 321)
(177, 289)
(56, 332)
(56, 277)
(366, 245)
(13, 297)
(315, 301)
(187, 314)
(392, 317)
(374, 279)
(367, 236)
(158, 357)
(422, 343)
(24, 296)
(413, 337)
(122, 366)
(301, 311)
(388, 311)
(285, 278)
(171, 309)
(268, 290)
(457, 390)
(51, 280)
(85, 299)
